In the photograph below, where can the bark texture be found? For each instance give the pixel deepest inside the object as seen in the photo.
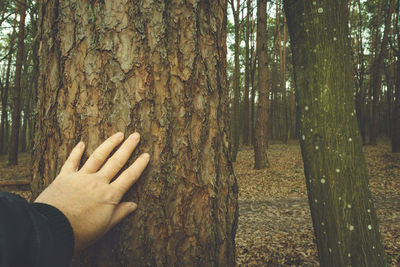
(343, 214)
(261, 127)
(155, 68)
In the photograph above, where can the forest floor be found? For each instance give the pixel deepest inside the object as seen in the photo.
(275, 227)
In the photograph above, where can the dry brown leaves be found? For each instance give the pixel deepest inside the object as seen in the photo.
(275, 227)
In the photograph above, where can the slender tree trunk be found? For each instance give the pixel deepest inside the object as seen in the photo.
(158, 69)
(396, 109)
(236, 82)
(4, 92)
(343, 214)
(252, 81)
(261, 127)
(16, 115)
(376, 78)
(246, 115)
(285, 127)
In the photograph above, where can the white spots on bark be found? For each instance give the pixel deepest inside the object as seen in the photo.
(368, 210)
(316, 200)
(349, 255)
(320, 10)
(303, 137)
(340, 198)
(334, 38)
(337, 170)
(369, 227)
(314, 3)
(322, 223)
(323, 181)
(350, 139)
(306, 108)
(330, 250)
(373, 247)
(316, 147)
(351, 227)
(349, 206)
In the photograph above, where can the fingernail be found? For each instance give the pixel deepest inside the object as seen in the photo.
(135, 136)
(81, 145)
(133, 206)
(146, 155)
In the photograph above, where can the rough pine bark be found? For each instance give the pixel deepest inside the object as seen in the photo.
(157, 68)
(261, 127)
(16, 114)
(343, 214)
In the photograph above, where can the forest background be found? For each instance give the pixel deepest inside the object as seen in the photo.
(374, 52)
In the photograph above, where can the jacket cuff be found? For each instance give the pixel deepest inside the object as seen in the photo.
(61, 229)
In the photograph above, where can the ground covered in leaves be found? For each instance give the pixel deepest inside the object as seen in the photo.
(275, 227)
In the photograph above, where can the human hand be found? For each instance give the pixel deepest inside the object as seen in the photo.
(86, 197)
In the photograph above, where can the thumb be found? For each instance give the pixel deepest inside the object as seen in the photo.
(121, 211)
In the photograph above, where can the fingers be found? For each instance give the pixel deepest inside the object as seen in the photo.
(101, 153)
(73, 160)
(130, 175)
(120, 157)
(121, 211)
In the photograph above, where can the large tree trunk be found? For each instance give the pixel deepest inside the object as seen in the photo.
(343, 214)
(16, 115)
(246, 115)
(261, 127)
(158, 69)
(376, 76)
(4, 92)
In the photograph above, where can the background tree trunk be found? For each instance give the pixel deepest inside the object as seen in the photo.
(158, 69)
(343, 214)
(235, 123)
(376, 76)
(261, 127)
(16, 115)
(396, 108)
(4, 92)
(246, 115)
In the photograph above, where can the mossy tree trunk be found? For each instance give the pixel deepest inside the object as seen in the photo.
(155, 68)
(343, 214)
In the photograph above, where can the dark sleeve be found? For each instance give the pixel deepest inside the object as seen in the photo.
(37, 234)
